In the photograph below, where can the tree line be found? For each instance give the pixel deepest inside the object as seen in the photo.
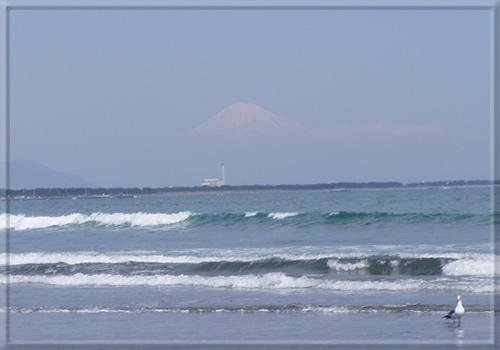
(135, 191)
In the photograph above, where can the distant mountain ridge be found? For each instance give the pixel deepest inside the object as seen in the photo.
(244, 118)
(26, 174)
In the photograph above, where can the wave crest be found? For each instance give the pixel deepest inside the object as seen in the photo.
(22, 222)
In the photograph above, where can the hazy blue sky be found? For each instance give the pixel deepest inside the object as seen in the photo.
(390, 95)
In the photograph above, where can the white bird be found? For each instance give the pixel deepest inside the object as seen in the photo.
(457, 312)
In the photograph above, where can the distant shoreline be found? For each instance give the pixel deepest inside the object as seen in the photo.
(96, 193)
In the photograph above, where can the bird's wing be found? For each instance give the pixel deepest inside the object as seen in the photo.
(449, 314)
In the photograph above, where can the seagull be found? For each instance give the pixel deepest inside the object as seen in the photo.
(457, 312)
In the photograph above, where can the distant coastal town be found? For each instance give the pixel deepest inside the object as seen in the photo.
(120, 192)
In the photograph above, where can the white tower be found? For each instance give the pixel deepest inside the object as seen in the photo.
(223, 175)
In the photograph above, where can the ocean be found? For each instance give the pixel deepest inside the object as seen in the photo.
(278, 269)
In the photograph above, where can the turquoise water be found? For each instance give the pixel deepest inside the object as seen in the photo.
(359, 267)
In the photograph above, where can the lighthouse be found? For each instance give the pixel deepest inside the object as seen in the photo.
(223, 182)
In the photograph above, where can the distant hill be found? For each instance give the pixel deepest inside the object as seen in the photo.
(247, 118)
(26, 174)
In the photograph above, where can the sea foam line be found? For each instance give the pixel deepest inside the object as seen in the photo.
(268, 281)
(22, 222)
(288, 308)
(102, 258)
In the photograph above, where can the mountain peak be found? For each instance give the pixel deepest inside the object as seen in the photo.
(243, 118)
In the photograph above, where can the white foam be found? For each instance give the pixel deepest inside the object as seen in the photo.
(22, 222)
(338, 266)
(280, 216)
(139, 219)
(269, 281)
(481, 266)
(102, 258)
(145, 257)
(251, 214)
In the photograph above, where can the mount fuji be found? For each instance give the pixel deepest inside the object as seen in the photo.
(247, 118)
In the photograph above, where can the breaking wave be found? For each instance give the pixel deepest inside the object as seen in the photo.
(253, 270)
(294, 264)
(140, 219)
(22, 222)
(268, 281)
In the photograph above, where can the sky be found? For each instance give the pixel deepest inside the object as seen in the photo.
(388, 95)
